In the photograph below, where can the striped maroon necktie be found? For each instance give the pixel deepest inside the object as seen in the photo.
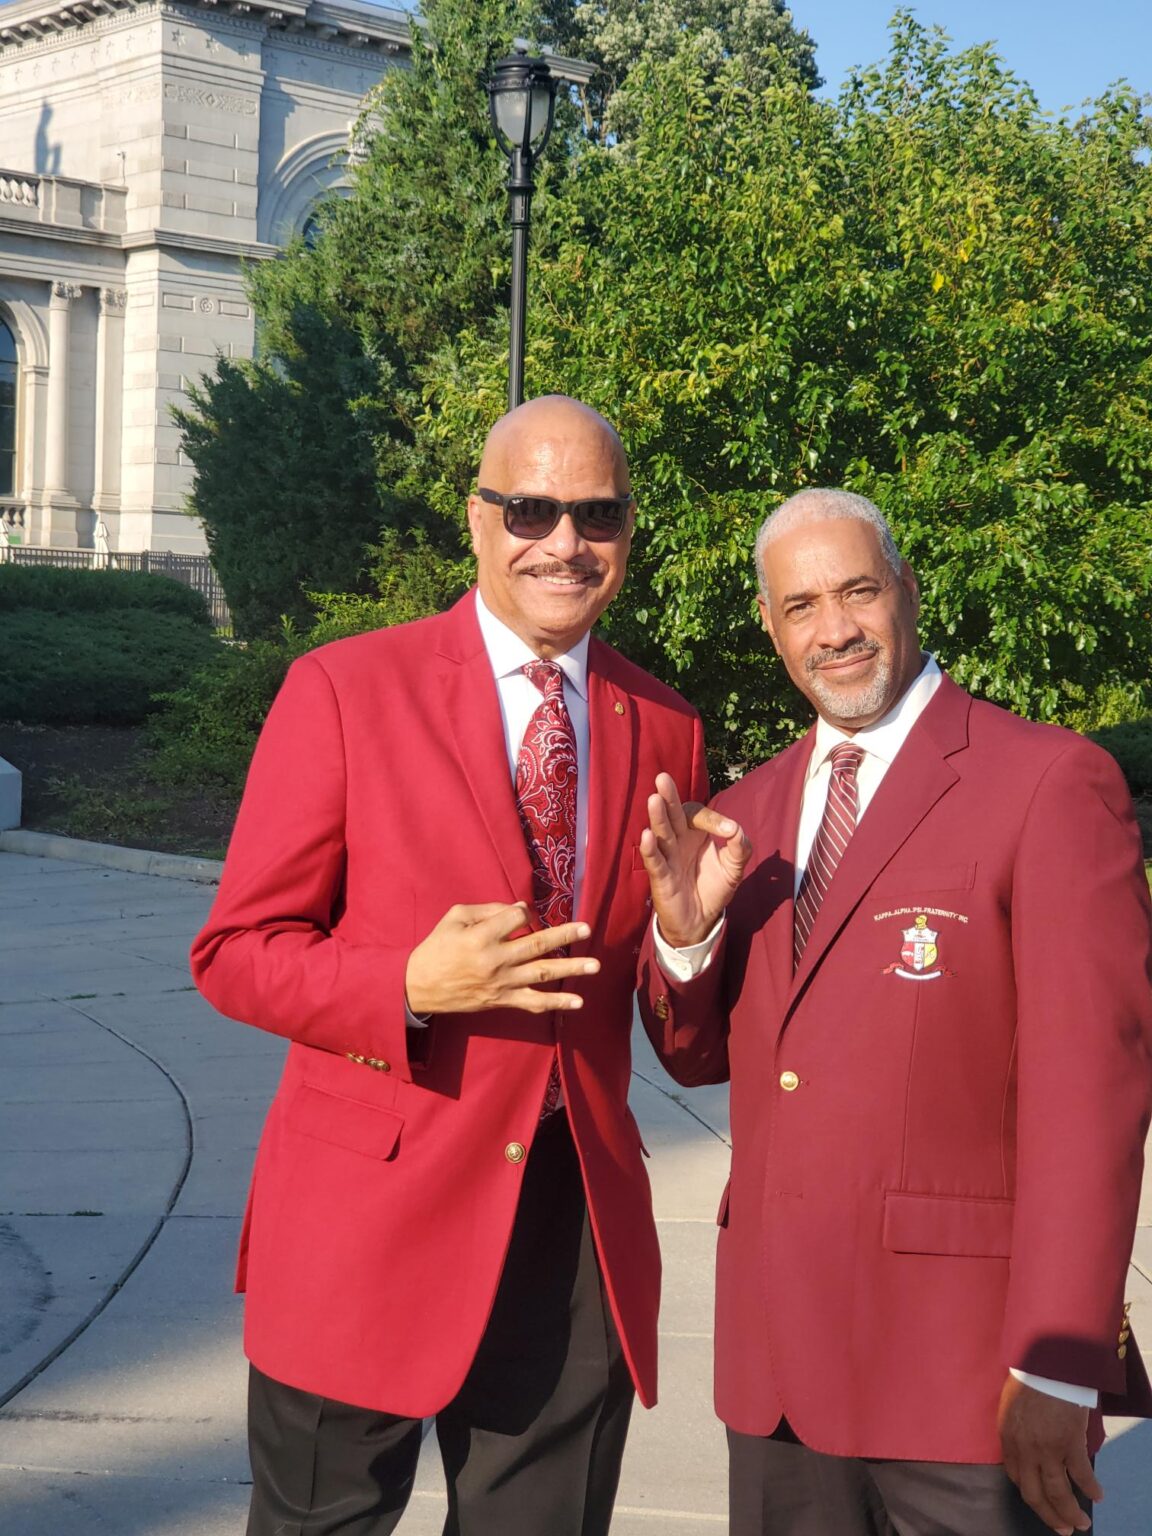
(836, 827)
(546, 801)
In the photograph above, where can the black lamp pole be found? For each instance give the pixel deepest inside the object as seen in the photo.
(522, 100)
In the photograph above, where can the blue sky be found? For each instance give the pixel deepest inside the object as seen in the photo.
(1065, 49)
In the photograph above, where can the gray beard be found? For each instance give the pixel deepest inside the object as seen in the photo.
(868, 700)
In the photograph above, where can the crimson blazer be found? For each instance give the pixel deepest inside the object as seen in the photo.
(385, 1187)
(937, 1123)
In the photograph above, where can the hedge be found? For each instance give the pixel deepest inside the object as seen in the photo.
(96, 668)
(1131, 745)
(56, 589)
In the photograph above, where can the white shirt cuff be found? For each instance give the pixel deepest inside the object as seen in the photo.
(686, 964)
(1066, 1391)
(415, 1020)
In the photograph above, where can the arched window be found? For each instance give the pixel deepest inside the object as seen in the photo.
(9, 379)
(312, 230)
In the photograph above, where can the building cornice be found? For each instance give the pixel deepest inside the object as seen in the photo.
(25, 24)
(179, 240)
(10, 226)
(28, 25)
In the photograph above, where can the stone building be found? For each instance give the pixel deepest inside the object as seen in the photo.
(148, 148)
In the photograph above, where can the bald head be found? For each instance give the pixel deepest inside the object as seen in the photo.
(550, 418)
(549, 590)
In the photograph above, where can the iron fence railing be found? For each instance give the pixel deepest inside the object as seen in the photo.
(193, 571)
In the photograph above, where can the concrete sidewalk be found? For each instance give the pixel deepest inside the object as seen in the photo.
(129, 1113)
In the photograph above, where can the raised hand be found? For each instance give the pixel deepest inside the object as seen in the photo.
(695, 860)
(472, 961)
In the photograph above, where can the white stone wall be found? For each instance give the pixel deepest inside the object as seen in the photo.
(164, 144)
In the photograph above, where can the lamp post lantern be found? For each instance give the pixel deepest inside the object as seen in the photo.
(522, 100)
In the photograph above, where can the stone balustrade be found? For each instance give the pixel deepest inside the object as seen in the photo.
(19, 189)
(63, 200)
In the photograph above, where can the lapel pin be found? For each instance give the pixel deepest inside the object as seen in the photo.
(619, 707)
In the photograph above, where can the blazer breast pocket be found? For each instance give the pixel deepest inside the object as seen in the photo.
(347, 1123)
(913, 884)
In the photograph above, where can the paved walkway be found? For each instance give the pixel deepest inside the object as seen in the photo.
(129, 1112)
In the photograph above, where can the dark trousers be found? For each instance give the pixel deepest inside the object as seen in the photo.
(778, 1487)
(532, 1443)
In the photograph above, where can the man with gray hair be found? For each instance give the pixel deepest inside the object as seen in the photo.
(930, 988)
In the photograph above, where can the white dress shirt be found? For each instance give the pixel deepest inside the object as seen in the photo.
(880, 743)
(519, 697)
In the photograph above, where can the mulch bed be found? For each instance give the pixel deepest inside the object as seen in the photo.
(95, 782)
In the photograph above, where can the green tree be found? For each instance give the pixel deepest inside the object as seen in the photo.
(303, 457)
(757, 36)
(306, 455)
(286, 483)
(928, 292)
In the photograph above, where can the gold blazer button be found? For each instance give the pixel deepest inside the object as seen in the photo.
(514, 1152)
(789, 1082)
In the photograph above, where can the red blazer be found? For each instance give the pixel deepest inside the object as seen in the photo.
(382, 1199)
(938, 1123)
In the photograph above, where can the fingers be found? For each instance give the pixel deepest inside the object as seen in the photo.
(544, 940)
(463, 915)
(542, 973)
(659, 824)
(1045, 1488)
(674, 811)
(1081, 1471)
(704, 819)
(542, 1002)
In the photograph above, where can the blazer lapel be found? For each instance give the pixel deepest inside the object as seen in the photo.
(472, 706)
(917, 779)
(611, 782)
(777, 821)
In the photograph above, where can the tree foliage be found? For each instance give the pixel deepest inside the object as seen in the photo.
(927, 292)
(286, 469)
(303, 457)
(757, 37)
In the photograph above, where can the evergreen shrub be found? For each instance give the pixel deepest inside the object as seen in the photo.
(1131, 745)
(55, 589)
(95, 668)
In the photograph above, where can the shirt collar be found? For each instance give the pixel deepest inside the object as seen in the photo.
(885, 737)
(507, 653)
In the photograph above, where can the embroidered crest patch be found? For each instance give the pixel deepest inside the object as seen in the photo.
(919, 954)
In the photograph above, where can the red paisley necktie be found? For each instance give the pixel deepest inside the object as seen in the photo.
(832, 836)
(546, 801)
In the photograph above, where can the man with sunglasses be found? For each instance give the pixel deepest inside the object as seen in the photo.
(434, 890)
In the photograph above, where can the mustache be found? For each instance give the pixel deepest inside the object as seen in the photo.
(560, 568)
(857, 648)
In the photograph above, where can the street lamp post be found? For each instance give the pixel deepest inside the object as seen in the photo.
(522, 100)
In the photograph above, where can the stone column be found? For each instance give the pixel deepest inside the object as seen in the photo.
(109, 399)
(56, 488)
(37, 517)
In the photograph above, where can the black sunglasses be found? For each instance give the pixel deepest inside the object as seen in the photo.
(534, 517)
